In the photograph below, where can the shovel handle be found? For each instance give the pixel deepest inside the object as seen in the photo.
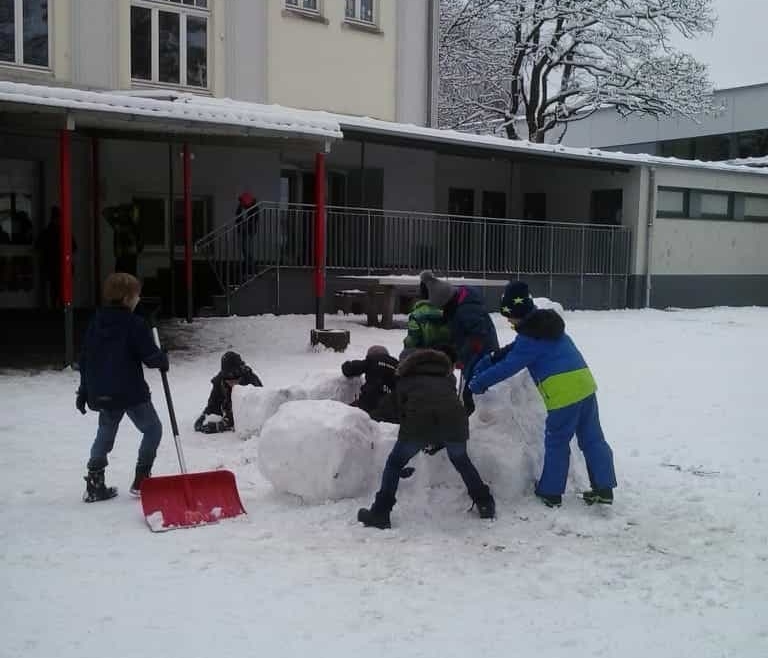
(171, 411)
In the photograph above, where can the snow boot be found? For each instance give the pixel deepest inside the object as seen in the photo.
(142, 473)
(550, 501)
(600, 496)
(95, 489)
(486, 505)
(378, 514)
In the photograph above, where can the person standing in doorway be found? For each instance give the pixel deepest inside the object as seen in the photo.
(128, 242)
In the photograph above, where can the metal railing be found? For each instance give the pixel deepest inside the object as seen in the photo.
(369, 240)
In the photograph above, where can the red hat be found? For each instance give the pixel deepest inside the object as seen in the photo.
(246, 199)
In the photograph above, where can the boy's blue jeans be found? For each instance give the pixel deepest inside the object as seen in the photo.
(404, 451)
(144, 417)
(583, 420)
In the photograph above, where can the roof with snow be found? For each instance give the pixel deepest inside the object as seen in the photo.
(173, 111)
(408, 132)
(215, 116)
(760, 161)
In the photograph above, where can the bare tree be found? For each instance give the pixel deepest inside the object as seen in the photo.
(529, 66)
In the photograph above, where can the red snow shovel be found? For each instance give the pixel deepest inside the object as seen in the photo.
(190, 499)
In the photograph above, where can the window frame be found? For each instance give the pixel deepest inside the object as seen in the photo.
(755, 218)
(168, 217)
(729, 214)
(18, 40)
(670, 214)
(357, 18)
(298, 7)
(183, 11)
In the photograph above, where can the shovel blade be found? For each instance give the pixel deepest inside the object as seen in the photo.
(185, 501)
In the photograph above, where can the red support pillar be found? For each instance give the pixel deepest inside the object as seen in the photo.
(320, 183)
(65, 204)
(188, 228)
(95, 212)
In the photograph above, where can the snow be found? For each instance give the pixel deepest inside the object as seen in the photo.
(444, 136)
(677, 567)
(227, 113)
(175, 106)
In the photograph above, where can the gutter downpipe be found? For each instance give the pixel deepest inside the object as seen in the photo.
(649, 233)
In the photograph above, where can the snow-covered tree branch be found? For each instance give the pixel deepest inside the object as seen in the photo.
(526, 67)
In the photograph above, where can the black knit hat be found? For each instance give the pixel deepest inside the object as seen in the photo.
(516, 302)
(231, 365)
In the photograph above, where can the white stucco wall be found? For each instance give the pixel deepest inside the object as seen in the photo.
(686, 246)
(330, 65)
(743, 109)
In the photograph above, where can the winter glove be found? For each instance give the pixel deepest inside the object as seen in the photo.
(80, 401)
(433, 448)
(469, 402)
(199, 423)
(164, 366)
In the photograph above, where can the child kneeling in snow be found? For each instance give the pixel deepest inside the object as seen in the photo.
(234, 371)
(430, 413)
(116, 344)
(567, 386)
(379, 370)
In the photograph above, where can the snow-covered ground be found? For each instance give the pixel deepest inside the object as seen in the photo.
(678, 567)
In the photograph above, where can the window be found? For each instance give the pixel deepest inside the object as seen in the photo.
(169, 42)
(672, 202)
(24, 37)
(710, 205)
(753, 144)
(756, 207)
(306, 5)
(153, 220)
(360, 10)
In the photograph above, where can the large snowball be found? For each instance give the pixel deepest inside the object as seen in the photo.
(252, 407)
(319, 450)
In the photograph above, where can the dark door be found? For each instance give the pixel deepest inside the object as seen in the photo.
(535, 206)
(607, 207)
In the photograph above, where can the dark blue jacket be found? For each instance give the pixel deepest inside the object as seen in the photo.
(472, 330)
(116, 344)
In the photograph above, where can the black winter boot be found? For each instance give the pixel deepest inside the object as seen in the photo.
(486, 505)
(142, 473)
(95, 489)
(378, 514)
(601, 496)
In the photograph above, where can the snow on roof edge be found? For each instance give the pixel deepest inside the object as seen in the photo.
(501, 143)
(185, 107)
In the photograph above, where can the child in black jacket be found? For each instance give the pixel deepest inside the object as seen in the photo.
(116, 344)
(379, 370)
(233, 371)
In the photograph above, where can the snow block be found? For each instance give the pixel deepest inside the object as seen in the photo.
(252, 407)
(319, 450)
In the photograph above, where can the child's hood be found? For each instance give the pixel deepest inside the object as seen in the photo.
(542, 324)
(425, 362)
(112, 320)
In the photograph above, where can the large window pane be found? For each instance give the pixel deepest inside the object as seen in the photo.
(141, 43)
(35, 14)
(349, 11)
(7, 32)
(713, 205)
(170, 47)
(756, 207)
(200, 223)
(366, 10)
(152, 221)
(197, 51)
(671, 203)
(753, 144)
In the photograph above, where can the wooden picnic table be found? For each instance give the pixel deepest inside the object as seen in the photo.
(381, 297)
